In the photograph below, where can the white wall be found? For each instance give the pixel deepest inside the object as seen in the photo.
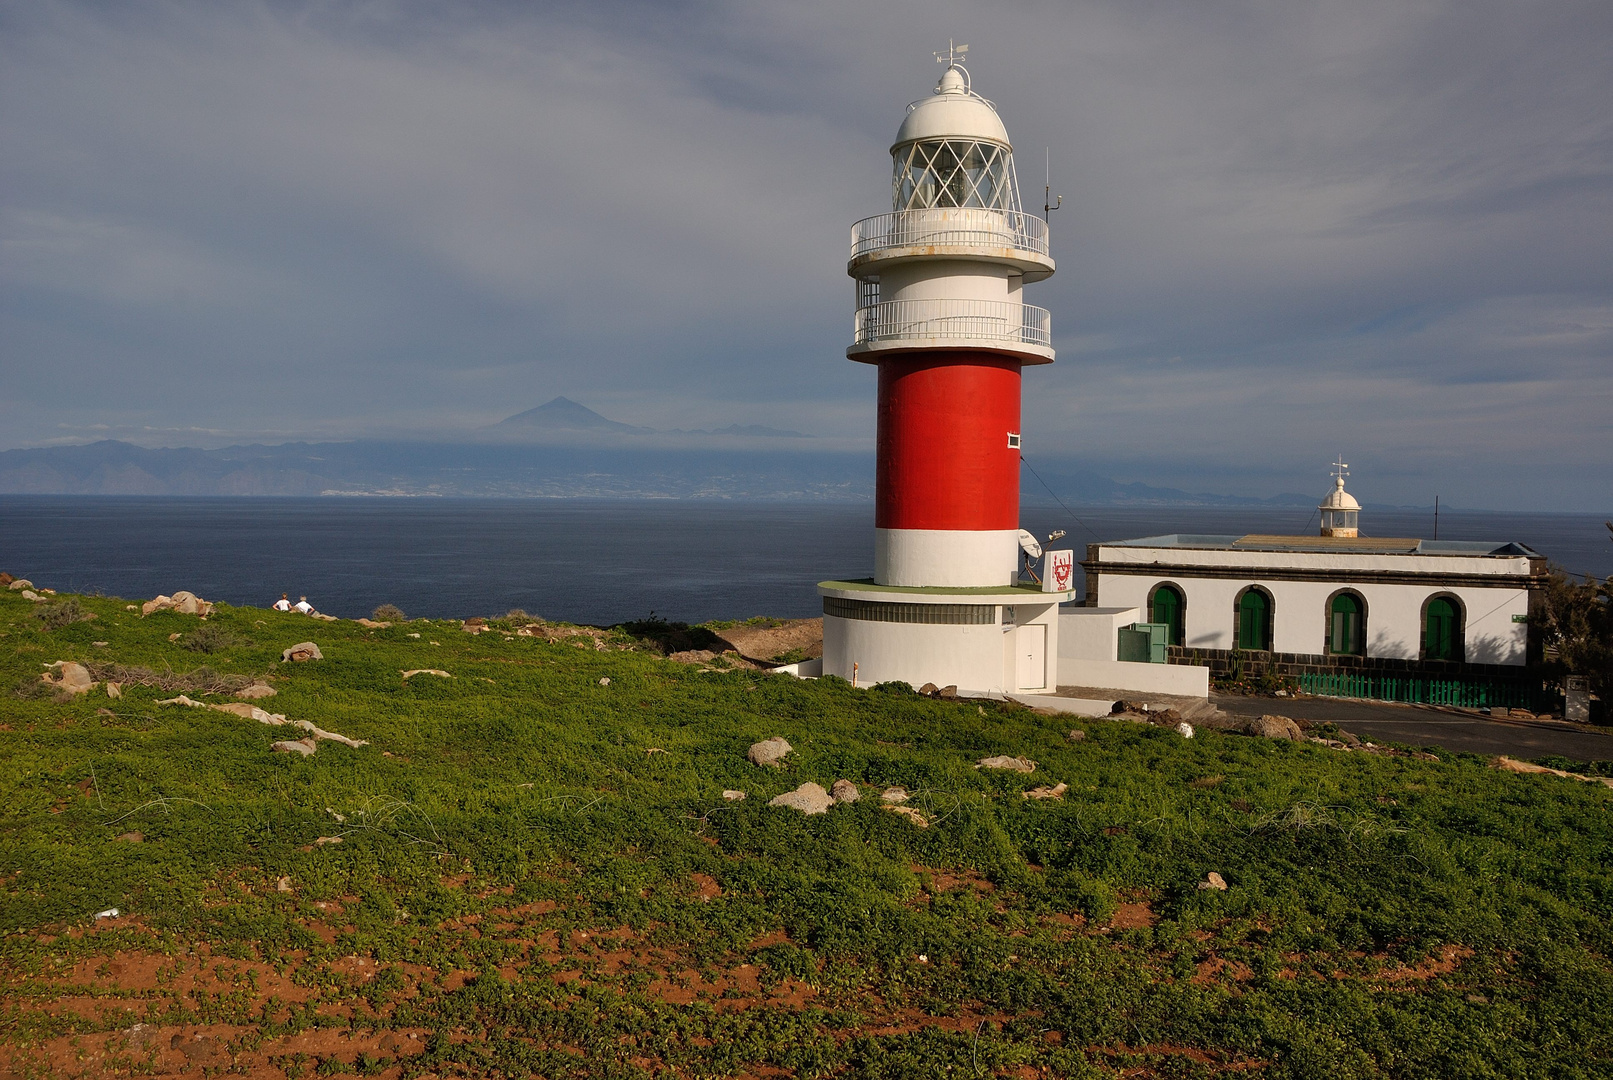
(1094, 633)
(978, 658)
(1300, 619)
(1183, 680)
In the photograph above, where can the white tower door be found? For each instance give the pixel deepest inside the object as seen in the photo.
(1030, 643)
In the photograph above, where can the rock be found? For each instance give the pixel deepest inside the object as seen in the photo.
(604, 681)
(305, 747)
(70, 678)
(372, 624)
(131, 838)
(5, 578)
(911, 814)
(441, 674)
(114, 690)
(1521, 714)
(186, 603)
(1012, 764)
(1044, 792)
(323, 617)
(1124, 706)
(1349, 739)
(255, 691)
(1077, 735)
(733, 796)
(895, 795)
(693, 656)
(1185, 730)
(769, 751)
(929, 689)
(1214, 881)
(844, 791)
(306, 650)
(809, 798)
(947, 693)
(1273, 727)
(18, 584)
(284, 884)
(29, 594)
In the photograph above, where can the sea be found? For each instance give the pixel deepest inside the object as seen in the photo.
(599, 561)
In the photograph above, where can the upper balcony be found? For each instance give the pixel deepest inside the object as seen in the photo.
(1020, 330)
(956, 232)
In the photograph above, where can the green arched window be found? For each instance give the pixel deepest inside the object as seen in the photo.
(1254, 620)
(1167, 608)
(1346, 626)
(1442, 630)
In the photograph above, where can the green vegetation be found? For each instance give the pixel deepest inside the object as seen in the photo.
(1577, 626)
(538, 874)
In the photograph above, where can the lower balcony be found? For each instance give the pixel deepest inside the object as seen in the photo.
(991, 325)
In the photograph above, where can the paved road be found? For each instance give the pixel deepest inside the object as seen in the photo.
(1418, 725)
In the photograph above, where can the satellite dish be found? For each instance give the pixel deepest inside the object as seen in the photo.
(1029, 544)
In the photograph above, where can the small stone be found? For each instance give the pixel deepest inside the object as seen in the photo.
(948, 693)
(114, 690)
(131, 837)
(1349, 738)
(809, 798)
(929, 689)
(100, 644)
(19, 584)
(255, 691)
(1214, 881)
(305, 747)
(733, 796)
(175, 637)
(911, 815)
(844, 791)
(1044, 792)
(769, 751)
(1185, 730)
(301, 652)
(70, 678)
(1012, 764)
(1273, 727)
(895, 795)
(1077, 735)
(323, 840)
(284, 884)
(605, 681)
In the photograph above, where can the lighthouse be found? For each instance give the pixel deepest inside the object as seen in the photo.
(940, 312)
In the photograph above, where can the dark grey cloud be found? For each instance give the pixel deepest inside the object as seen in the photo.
(1289, 230)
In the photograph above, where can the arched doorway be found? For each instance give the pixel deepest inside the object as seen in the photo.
(1347, 625)
(1167, 606)
(1442, 629)
(1254, 620)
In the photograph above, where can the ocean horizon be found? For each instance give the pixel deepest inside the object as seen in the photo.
(597, 561)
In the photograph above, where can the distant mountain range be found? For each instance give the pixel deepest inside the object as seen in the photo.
(560, 449)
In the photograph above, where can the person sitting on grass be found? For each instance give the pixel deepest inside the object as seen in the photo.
(303, 606)
(282, 604)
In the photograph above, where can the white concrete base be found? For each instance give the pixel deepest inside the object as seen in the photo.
(1093, 633)
(806, 669)
(946, 558)
(1091, 707)
(1178, 680)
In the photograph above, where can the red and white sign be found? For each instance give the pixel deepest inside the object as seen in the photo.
(1058, 571)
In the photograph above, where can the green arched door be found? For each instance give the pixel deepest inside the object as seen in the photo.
(1167, 609)
(1346, 636)
(1254, 620)
(1442, 633)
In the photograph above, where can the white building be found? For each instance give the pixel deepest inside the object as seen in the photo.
(1338, 602)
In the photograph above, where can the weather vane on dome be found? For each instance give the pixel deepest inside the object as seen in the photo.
(1340, 470)
(953, 57)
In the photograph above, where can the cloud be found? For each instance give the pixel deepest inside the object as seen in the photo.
(1378, 227)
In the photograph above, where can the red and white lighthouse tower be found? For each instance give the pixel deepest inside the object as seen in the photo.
(941, 312)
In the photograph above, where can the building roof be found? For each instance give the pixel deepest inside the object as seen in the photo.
(1338, 498)
(953, 111)
(1361, 545)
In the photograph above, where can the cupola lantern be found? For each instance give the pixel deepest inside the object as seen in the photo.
(1339, 511)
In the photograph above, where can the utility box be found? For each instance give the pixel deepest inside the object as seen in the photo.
(1577, 699)
(1143, 643)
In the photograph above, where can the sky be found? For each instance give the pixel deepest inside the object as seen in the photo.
(1289, 231)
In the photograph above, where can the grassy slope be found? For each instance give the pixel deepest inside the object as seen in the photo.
(524, 780)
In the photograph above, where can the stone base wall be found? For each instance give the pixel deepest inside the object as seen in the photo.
(1257, 663)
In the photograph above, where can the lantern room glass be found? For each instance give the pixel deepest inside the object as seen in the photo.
(953, 173)
(1339, 519)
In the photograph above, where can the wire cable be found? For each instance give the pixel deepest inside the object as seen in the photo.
(1058, 500)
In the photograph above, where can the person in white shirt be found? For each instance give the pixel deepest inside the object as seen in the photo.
(282, 604)
(303, 606)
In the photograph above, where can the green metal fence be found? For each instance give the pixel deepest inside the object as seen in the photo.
(1462, 693)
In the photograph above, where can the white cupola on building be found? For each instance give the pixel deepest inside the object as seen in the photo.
(1340, 512)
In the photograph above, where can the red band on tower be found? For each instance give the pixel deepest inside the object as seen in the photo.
(944, 458)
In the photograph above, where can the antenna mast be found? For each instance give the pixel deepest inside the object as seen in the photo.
(1048, 205)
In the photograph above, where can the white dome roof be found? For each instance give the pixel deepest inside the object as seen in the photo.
(953, 111)
(1338, 498)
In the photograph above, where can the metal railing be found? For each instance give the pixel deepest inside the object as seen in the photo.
(1461, 693)
(952, 227)
(978, 320)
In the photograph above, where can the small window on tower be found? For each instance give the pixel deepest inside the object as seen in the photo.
(1013, 440)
